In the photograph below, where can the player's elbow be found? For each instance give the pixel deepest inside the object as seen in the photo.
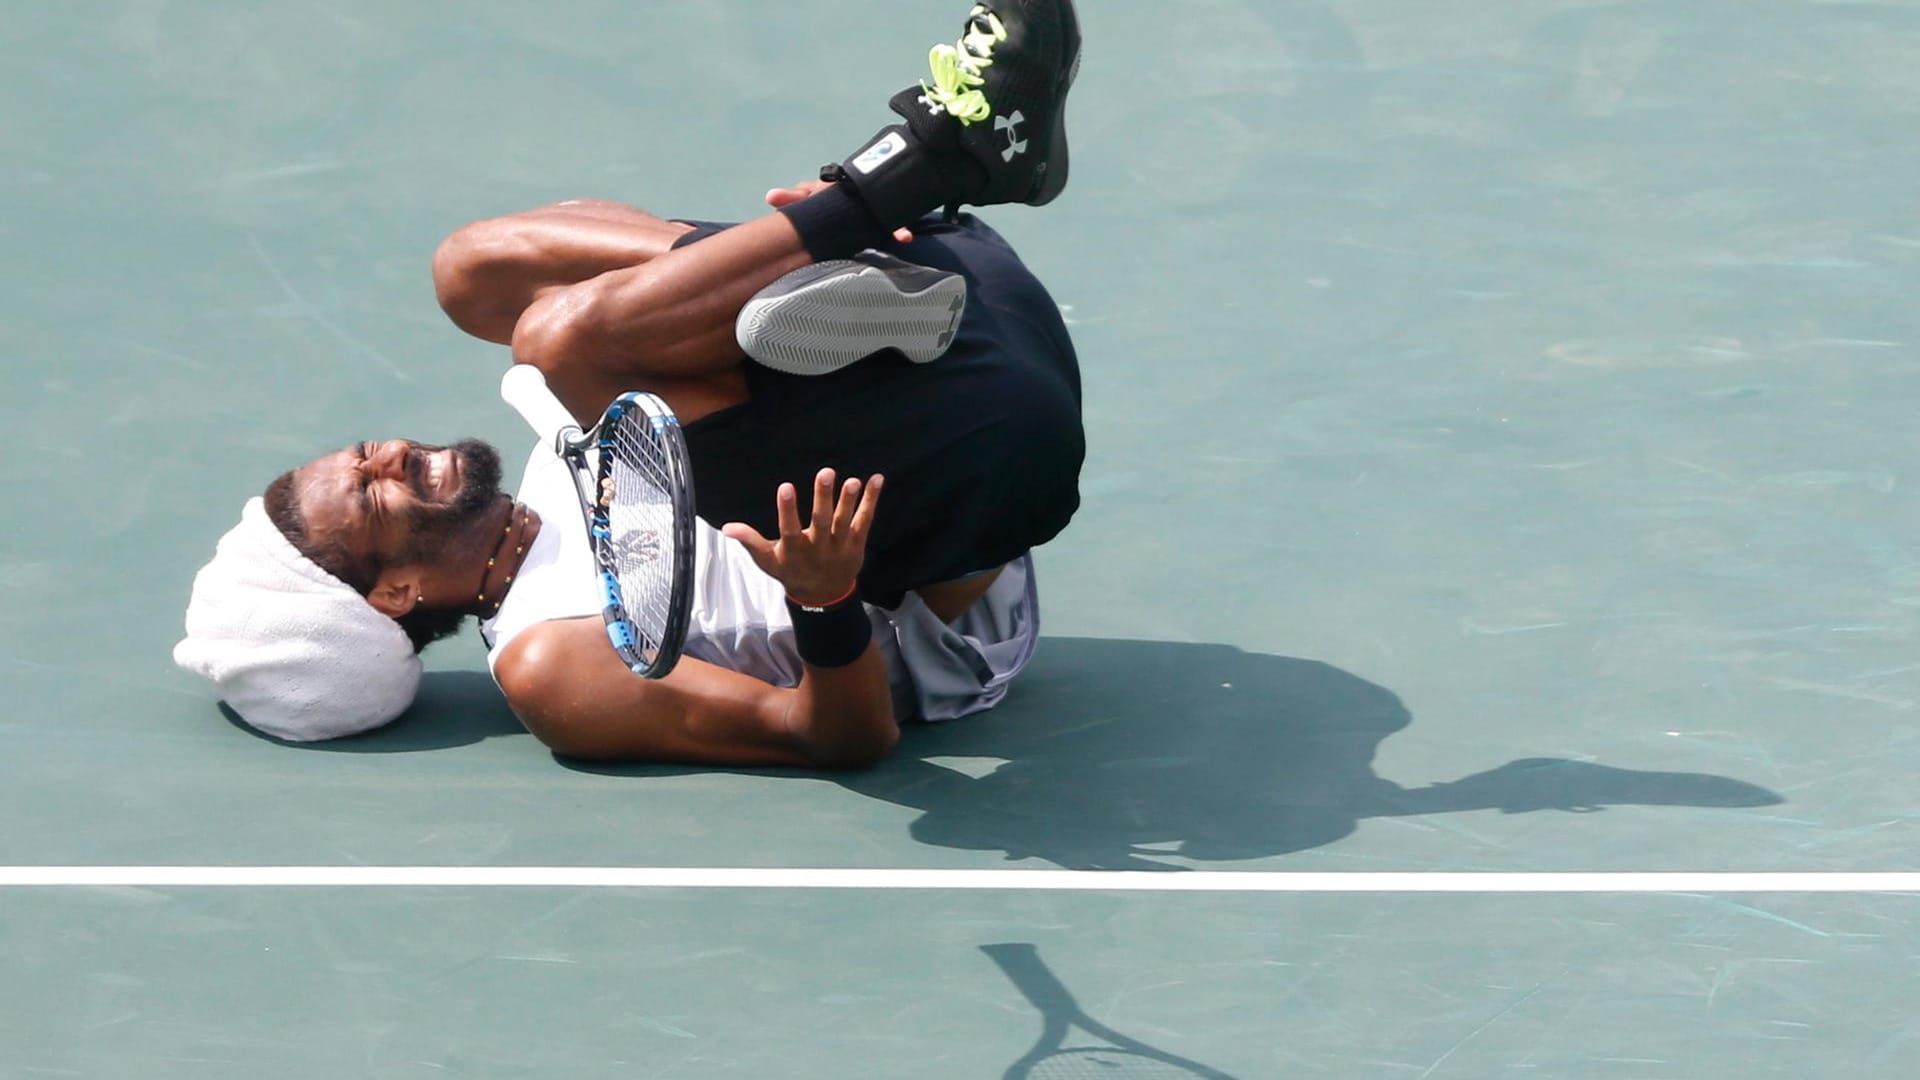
(870, 750)
(854, 755)
(549, 720)
(864, 742)
(570, 739)
(534, 676)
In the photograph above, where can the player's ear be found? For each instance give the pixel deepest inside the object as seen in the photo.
(395, 593)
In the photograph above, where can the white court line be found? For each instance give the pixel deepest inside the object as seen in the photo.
(619, 877)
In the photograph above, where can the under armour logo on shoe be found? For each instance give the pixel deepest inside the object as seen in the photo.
(934, 108)
(1011, 125)
(954, 309)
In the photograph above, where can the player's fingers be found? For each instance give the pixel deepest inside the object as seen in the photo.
(759, 547)
(848, 502)
(787, 196)
(905, 236)
(822, 518)
(787, 506)
(869, 503)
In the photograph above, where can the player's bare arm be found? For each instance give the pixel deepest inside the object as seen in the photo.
(575, 695)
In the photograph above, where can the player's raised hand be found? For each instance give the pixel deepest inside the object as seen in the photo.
(817, 562)
(787, 196)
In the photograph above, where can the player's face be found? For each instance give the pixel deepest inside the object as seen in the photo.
(403, 502)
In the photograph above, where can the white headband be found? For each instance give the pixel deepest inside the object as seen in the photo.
(294, 650)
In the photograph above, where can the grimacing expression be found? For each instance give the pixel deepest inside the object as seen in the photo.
(401, 502)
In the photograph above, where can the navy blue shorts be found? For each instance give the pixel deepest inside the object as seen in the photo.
(981, 448)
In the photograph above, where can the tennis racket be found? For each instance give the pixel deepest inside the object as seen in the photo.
(635, 485)
(1120, 1058)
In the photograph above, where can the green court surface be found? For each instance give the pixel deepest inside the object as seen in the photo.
(1499, 420)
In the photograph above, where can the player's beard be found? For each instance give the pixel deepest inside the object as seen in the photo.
(434, 531)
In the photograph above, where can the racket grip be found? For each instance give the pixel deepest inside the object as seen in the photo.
(1020, 961)
(525, 388)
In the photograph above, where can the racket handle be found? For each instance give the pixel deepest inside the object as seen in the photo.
(525, 388)
(1020, 961)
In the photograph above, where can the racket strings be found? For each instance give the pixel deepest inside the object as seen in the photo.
(639, 503)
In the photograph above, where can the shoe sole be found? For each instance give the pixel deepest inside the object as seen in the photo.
(820, 318)
(1055, 180)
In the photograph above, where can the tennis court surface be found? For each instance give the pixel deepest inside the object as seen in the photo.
(1500, 482)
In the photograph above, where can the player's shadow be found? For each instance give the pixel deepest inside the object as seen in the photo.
(454, 708)
(1113, 754)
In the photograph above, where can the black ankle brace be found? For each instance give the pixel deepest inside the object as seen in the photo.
(909, 170)
(834, 223)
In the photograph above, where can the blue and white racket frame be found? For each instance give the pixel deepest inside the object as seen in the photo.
(589, 456)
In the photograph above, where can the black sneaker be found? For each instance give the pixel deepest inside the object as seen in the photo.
(1006, 84)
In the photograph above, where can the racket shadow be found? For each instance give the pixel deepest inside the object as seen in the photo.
(1073, 1044)
(1118, 754)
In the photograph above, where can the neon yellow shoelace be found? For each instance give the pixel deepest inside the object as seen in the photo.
(958, 72)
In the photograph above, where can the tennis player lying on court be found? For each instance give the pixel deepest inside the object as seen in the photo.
(826, 613)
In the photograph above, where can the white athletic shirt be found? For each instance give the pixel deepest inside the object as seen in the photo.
(937, 671)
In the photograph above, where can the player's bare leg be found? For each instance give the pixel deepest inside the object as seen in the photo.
(487, 273)
(663, 324)
(664, 319)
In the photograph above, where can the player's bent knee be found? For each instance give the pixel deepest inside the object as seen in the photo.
(456, 283)
(459, 256)
(477, 277)
(545, 334)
